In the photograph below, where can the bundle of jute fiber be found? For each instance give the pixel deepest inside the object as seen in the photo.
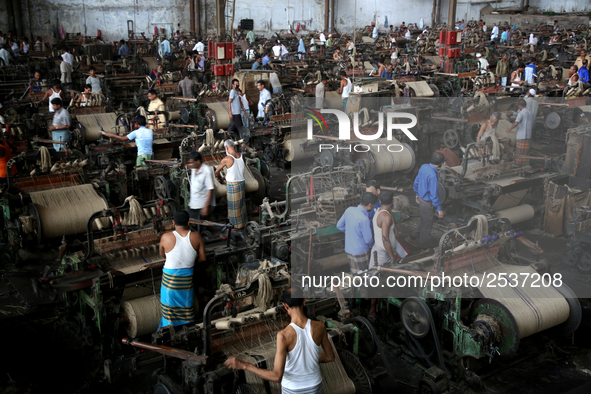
(45, 160)
(66, 211)
(135, 216)
(334, 377)
(481, 230)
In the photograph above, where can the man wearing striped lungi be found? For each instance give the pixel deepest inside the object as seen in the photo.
(235, 184)
(524, 124)
(181, 248)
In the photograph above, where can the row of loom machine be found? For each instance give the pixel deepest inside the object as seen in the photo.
(107, 269)
(109, 279)
(112, 283)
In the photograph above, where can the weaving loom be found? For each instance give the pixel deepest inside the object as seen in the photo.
(66, 211)
(499, 316)
(95, 122)
(249, 335)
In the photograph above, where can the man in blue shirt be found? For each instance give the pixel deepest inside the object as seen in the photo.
(143, 139)
(584, 72)
(356, 225)
(266, 59)
(166, 47)
(257, 62)
(387, 73)
(374, 188)
(426, 188)
(530, 73)
(124, 51)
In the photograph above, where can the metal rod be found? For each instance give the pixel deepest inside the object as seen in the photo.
(166, 350)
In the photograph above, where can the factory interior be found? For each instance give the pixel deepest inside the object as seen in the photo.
(221, 196)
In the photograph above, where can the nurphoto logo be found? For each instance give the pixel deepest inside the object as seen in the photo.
(345, 129)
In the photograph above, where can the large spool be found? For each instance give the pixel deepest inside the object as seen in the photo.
(293, 150)
(66, 211)
(174, 115)
(93, 123)
(218, 115)
(380, 160)
(143, 315)
(518, 214)
(521, 311)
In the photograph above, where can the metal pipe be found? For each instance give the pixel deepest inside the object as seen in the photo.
(166, 350)
(401, 271)
(212, 304)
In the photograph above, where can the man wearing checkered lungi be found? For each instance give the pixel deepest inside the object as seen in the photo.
(523, 123)
(235, 184)
(359, 240)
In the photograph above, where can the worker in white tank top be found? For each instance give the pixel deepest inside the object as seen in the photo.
(385, 233)
(181, 248)
(345, 88)
(54, 92)
(235, 184)
(298, 357)
(516, 76)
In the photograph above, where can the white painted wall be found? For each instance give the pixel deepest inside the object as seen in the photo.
(109, 16)
(363, 12)
(271, 15)
(563, 5)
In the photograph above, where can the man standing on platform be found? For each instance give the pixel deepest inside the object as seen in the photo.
(359, 240)
(235, 184)
(523, 123)
(181, 248)
(202, 199)
(426, 188)
(235, 108)
(143, 139)
(60, 129)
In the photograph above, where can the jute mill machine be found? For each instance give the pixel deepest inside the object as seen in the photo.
(237, 323)
(461, 328)
(111, 283)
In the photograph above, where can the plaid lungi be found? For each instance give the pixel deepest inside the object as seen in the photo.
(176, 297)
(522, 149)
(309, 390)
(236, 204)
(358, 262)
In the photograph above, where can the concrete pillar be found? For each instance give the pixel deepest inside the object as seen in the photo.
(17, 17)
(197, 17)
(220, 11)
(451, 19)
(192, 14)
(10, 12)
(326, 15)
